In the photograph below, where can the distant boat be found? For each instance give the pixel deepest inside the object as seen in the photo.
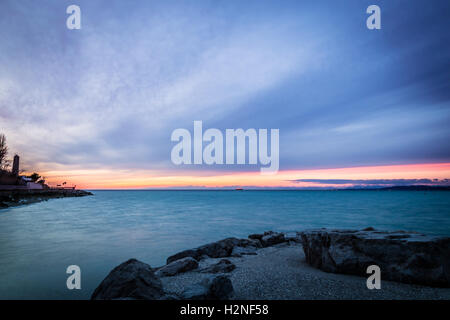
(239, 189)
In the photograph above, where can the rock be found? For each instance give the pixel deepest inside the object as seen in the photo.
(216, 288)
(272, 238)
(256, 236)
(223, 266)
(130, 280)
(268, 238)
(250, 243)
(220, 288)
(177, 266)
(402, 256)
(183, 254)
(219, 249)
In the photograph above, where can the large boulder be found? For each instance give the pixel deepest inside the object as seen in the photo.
(219, 249)
(214, 288)
(220, 288)
(268, 238)
(257, 236)
(402, 256)
(132, 279)
(177, 266)
(223, 266)
(272, 238)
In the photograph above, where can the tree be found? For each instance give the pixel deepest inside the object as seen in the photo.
(35, 177)
(4, 163)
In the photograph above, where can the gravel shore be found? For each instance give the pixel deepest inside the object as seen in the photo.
(281, 272)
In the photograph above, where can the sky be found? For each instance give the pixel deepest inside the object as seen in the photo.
(96, 107)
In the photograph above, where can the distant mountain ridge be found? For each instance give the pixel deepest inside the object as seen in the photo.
(417, 188)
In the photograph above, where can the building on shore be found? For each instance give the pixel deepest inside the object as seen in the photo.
(11, 180)
(30, 184)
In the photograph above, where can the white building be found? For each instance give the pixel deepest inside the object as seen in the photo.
(34, 186)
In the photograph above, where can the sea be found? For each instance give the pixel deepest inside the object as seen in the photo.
(39, 241)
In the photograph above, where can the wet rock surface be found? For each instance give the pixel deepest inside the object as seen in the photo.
(214, 288)
(272, 238)
(177, 266)
(223, 266)
(132, 279)
(407, 257)
(218, 249)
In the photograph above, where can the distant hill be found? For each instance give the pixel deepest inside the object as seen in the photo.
(417, 188)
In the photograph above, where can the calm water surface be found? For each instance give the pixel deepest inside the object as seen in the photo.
(39, 241)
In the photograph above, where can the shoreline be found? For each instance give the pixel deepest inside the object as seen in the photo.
(290, 266)
(282, 273)
(14, 198)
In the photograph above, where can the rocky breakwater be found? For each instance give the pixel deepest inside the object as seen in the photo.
(220, 270)
(407, 257)
(136, 280)
(12, 198)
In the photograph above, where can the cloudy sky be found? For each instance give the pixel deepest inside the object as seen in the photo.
(97, 106)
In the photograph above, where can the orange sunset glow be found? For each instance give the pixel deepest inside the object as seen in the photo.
(138, 179)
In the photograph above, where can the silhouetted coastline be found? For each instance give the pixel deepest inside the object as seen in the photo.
(12, 198)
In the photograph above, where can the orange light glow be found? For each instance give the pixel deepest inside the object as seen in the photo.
(138, 179)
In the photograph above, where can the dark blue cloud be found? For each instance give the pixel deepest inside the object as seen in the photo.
(341, 95)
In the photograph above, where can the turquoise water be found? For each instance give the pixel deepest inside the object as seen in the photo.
(39, 241)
